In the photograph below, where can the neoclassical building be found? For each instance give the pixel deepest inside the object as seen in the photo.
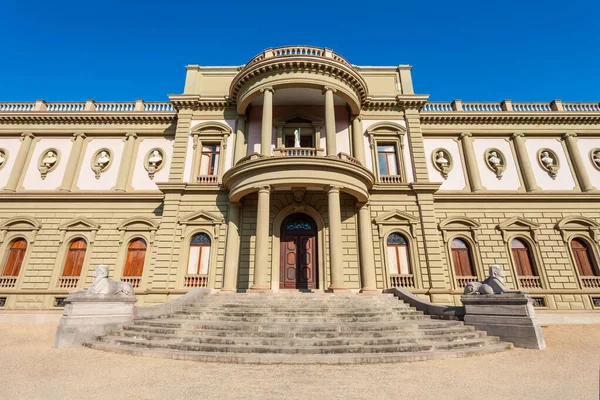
(299, 170)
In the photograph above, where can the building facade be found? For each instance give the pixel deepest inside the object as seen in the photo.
(299, 170)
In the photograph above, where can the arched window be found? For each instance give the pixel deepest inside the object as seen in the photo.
(583, 257)
(522, 258)
(136, 255)
(199, 256)
(14, 260)
(397, 250)
(75, 257)
(462, 258)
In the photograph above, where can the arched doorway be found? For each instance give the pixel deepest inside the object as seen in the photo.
(298, 255)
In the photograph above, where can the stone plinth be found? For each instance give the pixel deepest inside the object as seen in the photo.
(509, 316)
(88, 316)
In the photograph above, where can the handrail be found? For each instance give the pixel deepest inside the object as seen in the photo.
(287, 51)
(511, 106)
(87, 106)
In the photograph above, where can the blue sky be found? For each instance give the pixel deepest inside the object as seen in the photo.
(527, 50)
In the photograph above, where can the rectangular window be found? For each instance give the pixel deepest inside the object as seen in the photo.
(209, 160)
(388, 162)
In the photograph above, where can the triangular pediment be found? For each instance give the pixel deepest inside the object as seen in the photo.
(201, 218)
(396, 217)
(138, 224)
(517, 223)
(80, 224)
(459, 223)
(20, 223)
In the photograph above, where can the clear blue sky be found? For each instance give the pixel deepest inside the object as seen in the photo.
(526, 50)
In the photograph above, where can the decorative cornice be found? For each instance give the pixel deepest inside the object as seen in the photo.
(199, 103)
(477, 118)
(87, 117)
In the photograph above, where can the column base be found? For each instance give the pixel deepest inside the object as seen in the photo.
(369, 291)
(337, 290)
(260, 289)
(228, 291)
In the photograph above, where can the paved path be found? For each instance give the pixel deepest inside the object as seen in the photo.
(31, 369)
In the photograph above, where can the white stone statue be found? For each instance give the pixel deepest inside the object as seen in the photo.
(494, 159)
(104, 285)
(547, 160)
(155, 158)
(297, 137)
(441, 159)
(596, 158)
(493, 284)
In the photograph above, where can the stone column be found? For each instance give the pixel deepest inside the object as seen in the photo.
(232, 249)
(73, 163)
(575, 155)
(358, 143)
(524, 163)
(240, 139)
(19, 165)
(261, 250)
(267, 122)
(365, 239)
(335, 240)
(471, 162)
(126, 162)
(330, 121)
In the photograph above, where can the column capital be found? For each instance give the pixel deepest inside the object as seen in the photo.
(79, 135)
(264, 189)
(243, 117)
(28, 135)
(363, 205)
(465, 135)
(267, 89)
(333, 189)
(327, 89)
(568, 135)
(279, 124)
(131, 135)
(357, 117)
(517, 135)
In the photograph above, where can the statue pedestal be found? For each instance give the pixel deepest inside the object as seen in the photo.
(509, 316)
(88, 316)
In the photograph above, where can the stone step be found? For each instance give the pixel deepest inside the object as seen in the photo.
(290, 319)
(311, 314)
(180, 337)
(297, 327)
(295, 308)
(260, 349)
(409, 331)
(300, 359)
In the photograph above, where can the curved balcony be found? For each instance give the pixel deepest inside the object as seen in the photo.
(298, 66)
(298, 167)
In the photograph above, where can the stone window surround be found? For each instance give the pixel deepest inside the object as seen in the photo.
(405, 224)
(387, 132)
(586, 229)
(209, 132)
(281, 122)
(130, 229)
(466, 229)
(19, 227)
(191, 224)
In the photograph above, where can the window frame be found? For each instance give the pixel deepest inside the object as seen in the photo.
(68, 253)
(127, 251)
(7, 252)
(397, 253)
(388, 133)
(201, 246)
(387, 158)
(205, 133)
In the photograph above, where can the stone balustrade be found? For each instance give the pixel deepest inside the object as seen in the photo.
(196, 281)
(87, 106)
(134, 281)
(68, 282)
(405, 281)
(299, 152)
(390, 179)
(590, 282)
(8, 282)
(510, 106)
(207, 179)
(463, 281)
(308, 51)
(530, 282)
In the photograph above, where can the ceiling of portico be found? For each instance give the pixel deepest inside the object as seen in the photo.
(298, 96)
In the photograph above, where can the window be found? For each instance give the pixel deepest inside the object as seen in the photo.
(75, 258)
(209, 160)
(522, 258)
(15, 257)
(136, 255)
(583, 257)
(388, 163)
(199, 256)
(462, 259)
(397, 250)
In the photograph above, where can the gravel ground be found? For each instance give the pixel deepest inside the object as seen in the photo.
(31, 369)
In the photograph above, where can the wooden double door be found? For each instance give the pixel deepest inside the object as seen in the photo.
(298, 253)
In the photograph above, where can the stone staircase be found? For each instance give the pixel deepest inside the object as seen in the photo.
(299, 328)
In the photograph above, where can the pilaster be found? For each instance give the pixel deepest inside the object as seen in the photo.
(583, 178)
(180, 145)
(358, 144)
(524, 162)
(127, 161)
(417, 147)
(19, 165)
(73, 163)
(471, 162)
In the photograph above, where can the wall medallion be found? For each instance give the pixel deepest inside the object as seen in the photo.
(154, 161)
(48, 162)
(495, 161)
(549, 162)
(594, 158)
(3, 157)
(101, 161)
(442, 161)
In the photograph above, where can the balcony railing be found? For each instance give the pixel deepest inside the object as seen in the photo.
(207, 179)
(196, 281)
(390, 179)
(406, 280)
(298, 152)
(134, 281)
(590, 282)
(530, 282)
(510, 106)
(87, 106)
(463, 281)
(68, 282)
(7, 282)
(287, 51)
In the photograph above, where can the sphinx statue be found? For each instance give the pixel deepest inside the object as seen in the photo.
(493, 284)
(104, 285)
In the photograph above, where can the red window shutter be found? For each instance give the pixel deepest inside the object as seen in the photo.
(15, 258)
